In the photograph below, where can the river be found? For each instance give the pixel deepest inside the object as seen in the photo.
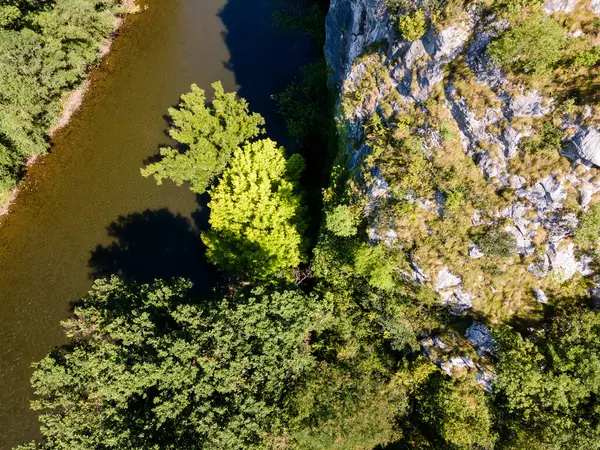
(84, 211)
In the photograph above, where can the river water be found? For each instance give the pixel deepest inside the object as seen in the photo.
(85, 211)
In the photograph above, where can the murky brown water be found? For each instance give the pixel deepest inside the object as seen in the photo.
(85, 211)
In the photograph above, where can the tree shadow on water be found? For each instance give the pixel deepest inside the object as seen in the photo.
(154, 244)
(263, 58)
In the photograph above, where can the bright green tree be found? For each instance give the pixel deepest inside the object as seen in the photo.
(147, 368)
(340, 221)
(413, 26)
(256, 228)
(208, 135)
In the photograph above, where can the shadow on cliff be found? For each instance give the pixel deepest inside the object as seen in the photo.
(263, 58)
(155, 244)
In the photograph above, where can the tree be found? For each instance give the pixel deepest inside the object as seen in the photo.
(457, 410)
(146, 367)
(535, 45)
(340, 221)
(549, 382)
(207, 134)
(413, 26)
(255, 212)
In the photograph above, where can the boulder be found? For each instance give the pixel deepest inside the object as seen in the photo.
(480, 337)
(529, 105)
(474, 251)
(540, 296)
(552, 6)
(446, 279)
(449, 364)
(586, 143)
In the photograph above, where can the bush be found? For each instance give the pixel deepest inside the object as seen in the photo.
(340, 221)
(547, 139)
(413, 26)
(588, 58)
(535, 45)
(588, 231)
(497, 242)
(377, 266)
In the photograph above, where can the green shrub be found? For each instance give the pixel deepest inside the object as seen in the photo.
(588, 231)
(413, 26)
(376, 266)
(458, 412)
(340, 221)
(533, 46)
(547, 139)
(496, 242)
(588, 58)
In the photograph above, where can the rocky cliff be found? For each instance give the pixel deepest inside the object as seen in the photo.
(479, 175)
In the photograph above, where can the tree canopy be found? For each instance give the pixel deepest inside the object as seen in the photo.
(146, 367)
(207, 136)
(255, 212)
(46, 49)
(549, 382)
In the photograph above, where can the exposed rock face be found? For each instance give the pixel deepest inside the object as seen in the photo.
(489, 133)
(530, 105)
(480, 337)
(352, 25)
(586, 143)
(552, 6)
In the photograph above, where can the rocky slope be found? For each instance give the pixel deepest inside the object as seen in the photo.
(436, 134)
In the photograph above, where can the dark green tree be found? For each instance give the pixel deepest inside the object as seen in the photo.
(549, 382)
(146, 367)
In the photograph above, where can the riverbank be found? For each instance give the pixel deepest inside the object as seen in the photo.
(74, 98)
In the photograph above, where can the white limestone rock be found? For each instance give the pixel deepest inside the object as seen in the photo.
(480, 337)
(586, 143)
(446, 279)
(474, 251)
(540, 296)
(529, 105)
(552, 6)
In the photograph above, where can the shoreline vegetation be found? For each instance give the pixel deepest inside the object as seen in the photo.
(72, 99)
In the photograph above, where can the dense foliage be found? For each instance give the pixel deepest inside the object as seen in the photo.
(549, 383)
(148, 368)
(534, 45)
(45, 50)
(207, 134)
(255, 212)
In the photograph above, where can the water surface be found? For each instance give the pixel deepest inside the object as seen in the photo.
(85, 211)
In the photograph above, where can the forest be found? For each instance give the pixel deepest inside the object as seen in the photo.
(46, 49)
(325, 331)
